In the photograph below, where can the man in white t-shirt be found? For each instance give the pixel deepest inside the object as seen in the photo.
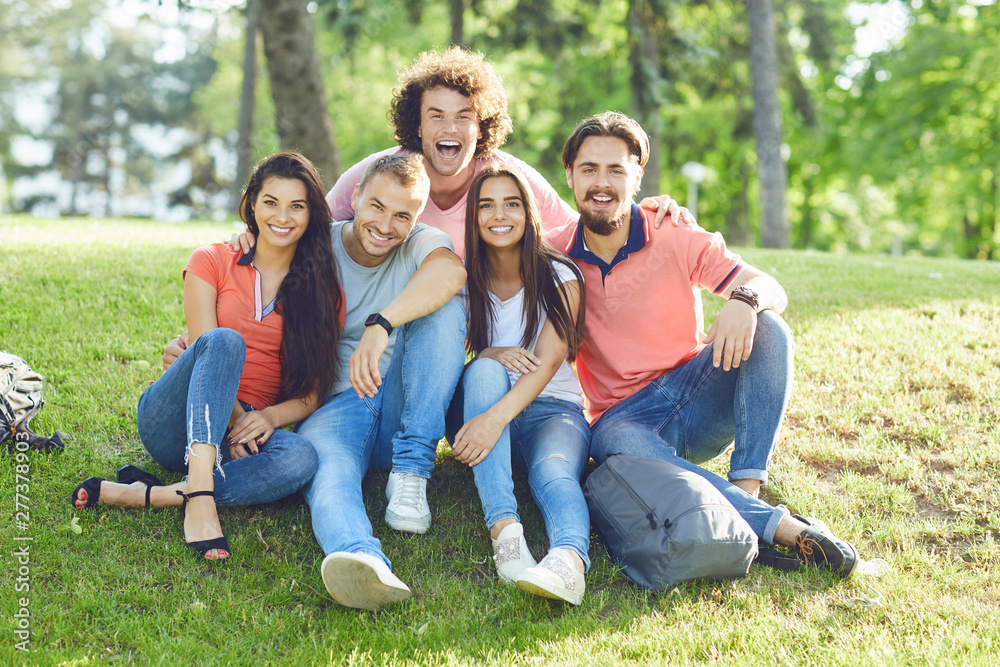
(451, 108)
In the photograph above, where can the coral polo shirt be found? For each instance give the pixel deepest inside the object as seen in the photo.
(644, 314)
(239, 307)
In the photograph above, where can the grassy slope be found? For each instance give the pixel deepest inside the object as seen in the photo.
(891, 438)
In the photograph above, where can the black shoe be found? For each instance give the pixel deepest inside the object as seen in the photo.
(130, 474)
(92, 486)
(204, 546)
(818, 547)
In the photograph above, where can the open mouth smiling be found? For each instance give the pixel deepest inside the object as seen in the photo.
(448, 149)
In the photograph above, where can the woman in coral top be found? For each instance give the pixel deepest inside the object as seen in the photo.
(262, 354)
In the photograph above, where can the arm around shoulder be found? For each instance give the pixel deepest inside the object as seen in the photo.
(438, 278)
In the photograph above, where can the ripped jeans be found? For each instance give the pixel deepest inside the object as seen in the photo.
(192, 402)
(550, 439)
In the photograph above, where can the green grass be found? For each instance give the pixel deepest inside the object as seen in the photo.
(891, 438)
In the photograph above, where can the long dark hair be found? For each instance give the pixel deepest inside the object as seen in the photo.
(538, 276)
(309, 298)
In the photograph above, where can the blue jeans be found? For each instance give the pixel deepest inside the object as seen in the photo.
(693, 413)
(398, 429)
(192, 402)
(549, 438)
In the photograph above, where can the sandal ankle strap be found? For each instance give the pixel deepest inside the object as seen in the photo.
(195, 494)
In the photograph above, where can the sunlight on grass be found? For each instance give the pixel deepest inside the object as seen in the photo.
(891, 438)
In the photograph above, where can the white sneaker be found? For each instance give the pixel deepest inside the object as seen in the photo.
(361, 581)
(407, 510)
(510, 552)
(555, 577)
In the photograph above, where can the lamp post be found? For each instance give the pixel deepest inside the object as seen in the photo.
(695, 172)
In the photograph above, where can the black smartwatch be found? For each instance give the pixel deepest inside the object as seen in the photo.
(376, 318)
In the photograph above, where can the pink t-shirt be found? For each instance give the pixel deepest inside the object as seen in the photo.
(645, 317)
(554, 211)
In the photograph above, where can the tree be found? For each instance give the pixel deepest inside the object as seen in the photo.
(646, 26)
(928, 109)
(244, 146)
(767, 124)
(300, 103)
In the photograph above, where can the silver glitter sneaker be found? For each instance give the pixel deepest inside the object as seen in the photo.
(510, 553)
(555, 577)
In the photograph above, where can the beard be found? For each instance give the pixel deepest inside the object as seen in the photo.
(604, 222)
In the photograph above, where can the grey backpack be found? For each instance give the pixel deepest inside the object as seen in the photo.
(665, 525)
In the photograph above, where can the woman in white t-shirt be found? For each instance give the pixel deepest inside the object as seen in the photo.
(519, 398)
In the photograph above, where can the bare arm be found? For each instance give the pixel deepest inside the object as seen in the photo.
(438, 278)
(252, 429)
(199, 313)
(478, 436)
(733, 331)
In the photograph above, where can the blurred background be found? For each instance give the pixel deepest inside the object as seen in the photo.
(824, 124)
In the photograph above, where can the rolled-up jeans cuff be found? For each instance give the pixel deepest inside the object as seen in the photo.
(748, 473)
(779, 513)
(412, 471)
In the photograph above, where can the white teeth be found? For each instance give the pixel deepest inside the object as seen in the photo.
(280, 230)
(602, 198)
(449, 144)
(501, 230)
(378, 237)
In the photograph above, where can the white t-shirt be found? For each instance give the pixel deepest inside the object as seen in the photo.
(508, 330)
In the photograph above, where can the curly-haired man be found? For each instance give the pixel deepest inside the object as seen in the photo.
(451, 107)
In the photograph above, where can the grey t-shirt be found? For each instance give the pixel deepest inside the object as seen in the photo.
(368, 290)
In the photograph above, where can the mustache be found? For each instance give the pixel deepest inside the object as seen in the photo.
(597, 191)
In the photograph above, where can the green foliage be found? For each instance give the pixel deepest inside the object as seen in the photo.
(892, 152)
(890, 438)
(939, 93)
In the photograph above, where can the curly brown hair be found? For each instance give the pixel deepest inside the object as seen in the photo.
(459, 69)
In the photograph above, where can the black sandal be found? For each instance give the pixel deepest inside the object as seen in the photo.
(129, 474)
(93, 488)
(204, 546)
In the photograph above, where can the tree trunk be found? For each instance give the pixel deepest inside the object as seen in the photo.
(646, 83)
(738, 213)
(458, 22)
(244, 147)
(767, 124)
(303, 119)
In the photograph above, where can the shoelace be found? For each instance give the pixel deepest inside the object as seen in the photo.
(806, 545)
(408, 491)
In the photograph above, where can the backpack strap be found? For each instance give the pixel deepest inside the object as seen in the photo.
(773, 558)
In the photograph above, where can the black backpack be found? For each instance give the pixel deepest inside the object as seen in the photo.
(665, 525)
